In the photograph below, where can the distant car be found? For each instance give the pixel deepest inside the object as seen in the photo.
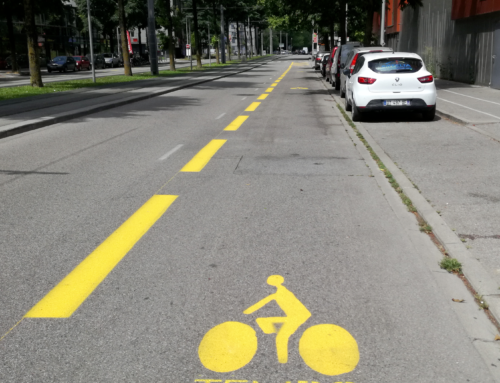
(352, 58)
(324, 61)
(111, 59)
(317, 60)
(339, 62)
(82, 62)
(61, 64)
(390, 81)
(328, 68)
(99, 62)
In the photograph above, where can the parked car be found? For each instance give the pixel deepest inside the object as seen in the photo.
(339, 59)
(62, 64)
(350, 62)
(82, 62)
(23, 61)
(317, 60)
(328, 68)
(395, 81)
(99, 62)
(111, 59)
(324, 61)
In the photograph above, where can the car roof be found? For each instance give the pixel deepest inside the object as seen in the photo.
(376, 56)
(369, 49)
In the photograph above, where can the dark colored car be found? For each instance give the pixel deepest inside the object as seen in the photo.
(82, 62)
(317, 60)
(99, 62)
(339, 62)
(328, 68)
(61, 64)
(324, 61)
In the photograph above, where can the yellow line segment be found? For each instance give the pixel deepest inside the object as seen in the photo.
(252, 107)
(274, 84)
(269, 90)
(200, 160)
(238, 121)
(263, 96)
(71, 292)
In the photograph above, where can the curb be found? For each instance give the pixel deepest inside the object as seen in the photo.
(26, 126)
(478, 277)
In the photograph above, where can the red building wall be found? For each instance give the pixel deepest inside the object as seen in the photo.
(392, 18)
(462, 9)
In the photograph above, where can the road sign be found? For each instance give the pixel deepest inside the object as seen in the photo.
(188, 46)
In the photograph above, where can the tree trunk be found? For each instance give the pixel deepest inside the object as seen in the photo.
(140, 40)
(342, 15)
(123, 37)
(197, 36)
(246, 40)
(12, 38)
(370, 11)
(238, 39)
(251, 39)
(217, 57)
(332, 34)
(171, 46)
(217, 53)
(31, 33)
(228, 43)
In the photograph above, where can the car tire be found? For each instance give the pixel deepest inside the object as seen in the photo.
(49, 70)
(327, 79)
(342, 93)
(356, 114)
(337, 83)
(74, 68)
(348, 106)
(429, 115)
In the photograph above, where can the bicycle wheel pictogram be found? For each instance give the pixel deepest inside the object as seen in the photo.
(325, 348)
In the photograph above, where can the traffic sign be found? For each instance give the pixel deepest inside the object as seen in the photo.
(188, 46)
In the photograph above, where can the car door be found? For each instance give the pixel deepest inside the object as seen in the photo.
(353, 77)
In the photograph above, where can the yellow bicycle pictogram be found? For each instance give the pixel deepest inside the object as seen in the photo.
(325, 348)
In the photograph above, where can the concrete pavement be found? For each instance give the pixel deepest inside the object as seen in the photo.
(290, 192)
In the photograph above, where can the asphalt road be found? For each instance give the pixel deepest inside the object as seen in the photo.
(129, 235)
(8, 80)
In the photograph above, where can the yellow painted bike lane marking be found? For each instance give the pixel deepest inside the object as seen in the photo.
(201, 159)
(238, 121)
(71, 292)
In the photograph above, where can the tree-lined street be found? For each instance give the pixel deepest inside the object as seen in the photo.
(130, 234)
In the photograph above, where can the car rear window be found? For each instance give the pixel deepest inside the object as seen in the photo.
(396, 65)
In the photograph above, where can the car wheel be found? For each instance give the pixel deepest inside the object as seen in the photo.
(356, 114)
(74, 68)
(348, 106)
(337, 83)
(327, 79)
(64, 69)
(342, 93)
(429, 114)
(49, 70)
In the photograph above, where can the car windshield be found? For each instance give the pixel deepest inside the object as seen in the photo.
(345, 52)
(108, 55)
(77, 58)
(396, 65)
(59, 59)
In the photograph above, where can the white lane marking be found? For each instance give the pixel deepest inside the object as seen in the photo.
(256, 88)
(244, 98)
(475, 98)
(475, 110)
(222, 115)
(170, 152)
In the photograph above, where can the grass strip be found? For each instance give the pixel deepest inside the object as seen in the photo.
(9, 93)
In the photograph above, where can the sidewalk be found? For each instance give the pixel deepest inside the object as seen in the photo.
(24, 114)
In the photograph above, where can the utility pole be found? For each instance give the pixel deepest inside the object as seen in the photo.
(261, 42)
(91, 42)
(271, 41)
(286, 46)
(382, 26)
(190, 46)
(222, 37)
(153, 46)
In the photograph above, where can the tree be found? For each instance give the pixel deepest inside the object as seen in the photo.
(32, 36)
(197, 41)
(123, 28)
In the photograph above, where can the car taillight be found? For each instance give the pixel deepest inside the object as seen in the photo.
(353, 62)
(366, 80)
(318, 59)
(426, 79)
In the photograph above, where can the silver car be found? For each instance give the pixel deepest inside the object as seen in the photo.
(111, 59)
(317, 60)
(351, 60)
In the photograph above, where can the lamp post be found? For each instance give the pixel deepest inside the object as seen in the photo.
(91, 42)
(382, 26)
(153, 46)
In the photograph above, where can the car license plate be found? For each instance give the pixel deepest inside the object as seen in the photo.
(397, 102)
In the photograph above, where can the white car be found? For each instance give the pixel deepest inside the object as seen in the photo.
(390, 81)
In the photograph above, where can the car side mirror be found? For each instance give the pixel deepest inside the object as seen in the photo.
(347, 72)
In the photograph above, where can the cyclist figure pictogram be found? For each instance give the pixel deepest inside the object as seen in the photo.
(296, 315)
(326, 348)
